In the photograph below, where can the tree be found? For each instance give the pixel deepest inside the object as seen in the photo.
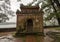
(57, 12)
(53, 9)
(50, 7)
(5, 10)
(3, 18)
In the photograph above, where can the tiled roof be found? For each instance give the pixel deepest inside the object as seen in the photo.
(29, 7)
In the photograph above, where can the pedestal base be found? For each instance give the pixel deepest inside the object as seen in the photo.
(31, 36)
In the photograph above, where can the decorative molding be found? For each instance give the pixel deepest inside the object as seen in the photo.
(29, 10)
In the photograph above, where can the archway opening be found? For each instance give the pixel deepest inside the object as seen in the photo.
(29, 25)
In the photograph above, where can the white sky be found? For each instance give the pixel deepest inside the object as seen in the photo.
(15, 5)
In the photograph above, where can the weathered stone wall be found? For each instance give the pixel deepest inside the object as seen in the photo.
(36, 16)
(37, 21)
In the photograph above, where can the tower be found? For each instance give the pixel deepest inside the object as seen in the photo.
(30, 23)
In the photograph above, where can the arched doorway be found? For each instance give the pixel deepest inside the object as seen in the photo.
(29, 25)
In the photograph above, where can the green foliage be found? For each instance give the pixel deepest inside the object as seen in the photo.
(58, 14)
(48, 4)
(3, 17)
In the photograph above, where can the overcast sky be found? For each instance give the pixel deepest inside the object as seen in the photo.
(15, 5)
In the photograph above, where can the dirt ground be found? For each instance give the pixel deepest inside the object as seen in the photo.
(8, 37)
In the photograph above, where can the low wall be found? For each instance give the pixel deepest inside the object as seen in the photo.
(7, 29)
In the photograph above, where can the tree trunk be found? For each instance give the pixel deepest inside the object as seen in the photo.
(58, 21)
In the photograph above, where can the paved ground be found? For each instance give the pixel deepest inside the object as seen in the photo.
(47, 38)
(7, 36)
